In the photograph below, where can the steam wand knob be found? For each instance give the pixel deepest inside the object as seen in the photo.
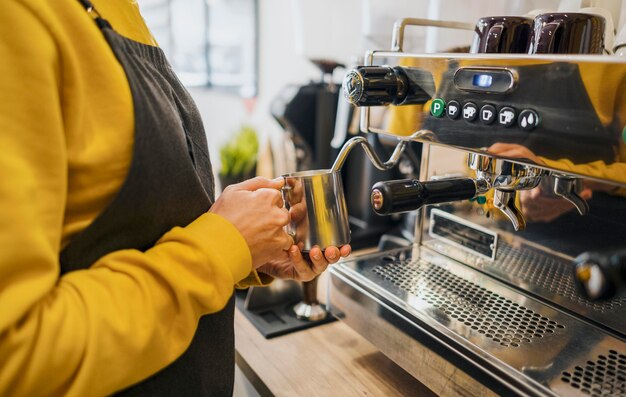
(384, 85)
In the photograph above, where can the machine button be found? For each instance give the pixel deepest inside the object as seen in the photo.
(437, 107)
(470, 111)
(488, 114)
(506, 117)
(528, 120)
(453, 109)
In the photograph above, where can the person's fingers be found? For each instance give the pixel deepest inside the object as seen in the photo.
(496, 148)
(259, 183)
(287, 241)
(318, 260)
(586, 194)
(297, 212)
(302, 268)
(272, 196)
(279, 181)
(332, 254)
(534, 193)
(345, 250)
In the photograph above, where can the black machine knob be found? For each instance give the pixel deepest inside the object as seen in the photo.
(390, 197)
(384, 85)
(600, 275)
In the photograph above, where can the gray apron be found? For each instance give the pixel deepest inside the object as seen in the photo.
(169, 183)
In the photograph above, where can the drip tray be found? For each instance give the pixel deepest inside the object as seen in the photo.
(511, 342)
(541, 274)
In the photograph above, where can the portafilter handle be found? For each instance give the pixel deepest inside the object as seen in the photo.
(390, 197)
(569, 188)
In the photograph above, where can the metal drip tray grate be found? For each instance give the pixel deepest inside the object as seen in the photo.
(548, 272)
(495, 317)
(606, 376)
(541, 274)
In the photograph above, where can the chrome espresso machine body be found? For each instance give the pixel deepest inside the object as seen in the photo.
(525, 170)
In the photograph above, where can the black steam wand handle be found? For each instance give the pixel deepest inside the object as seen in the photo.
(600, 275)
(390, 197)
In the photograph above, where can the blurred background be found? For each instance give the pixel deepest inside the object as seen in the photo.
(238, 56)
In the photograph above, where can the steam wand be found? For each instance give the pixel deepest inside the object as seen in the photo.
(369, 150)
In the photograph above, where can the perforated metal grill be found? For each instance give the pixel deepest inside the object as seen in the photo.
(495, 317)
(547, 272)
(606, 376)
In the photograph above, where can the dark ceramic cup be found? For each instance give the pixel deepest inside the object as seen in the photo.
(567, 33)
(504, 34)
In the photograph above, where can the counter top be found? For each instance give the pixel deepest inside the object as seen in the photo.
(328, 360)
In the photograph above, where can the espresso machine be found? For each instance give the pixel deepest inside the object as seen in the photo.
(513, 283)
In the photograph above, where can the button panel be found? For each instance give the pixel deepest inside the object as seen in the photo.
(438, 107)
(506, 117)
(470, 111)
(486, 114)
(453, 110)
(528, 120)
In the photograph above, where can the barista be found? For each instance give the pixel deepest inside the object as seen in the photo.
(113, 249)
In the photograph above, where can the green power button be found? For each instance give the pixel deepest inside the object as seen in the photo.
(438, 107)
(624, 134)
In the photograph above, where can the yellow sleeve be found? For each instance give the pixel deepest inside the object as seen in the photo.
(95, 331)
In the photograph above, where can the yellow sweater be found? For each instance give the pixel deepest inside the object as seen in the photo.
(66, 138)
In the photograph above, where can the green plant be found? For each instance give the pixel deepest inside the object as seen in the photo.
(239, 155)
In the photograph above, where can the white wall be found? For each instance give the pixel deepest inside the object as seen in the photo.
(279, 65)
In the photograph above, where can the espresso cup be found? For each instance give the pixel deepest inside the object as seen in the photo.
(609, 28)
(620, 43)
(317, 209)
(567, 33)
(504, 34)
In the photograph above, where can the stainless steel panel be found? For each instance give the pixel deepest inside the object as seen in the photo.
(579, 100)
(512, 338)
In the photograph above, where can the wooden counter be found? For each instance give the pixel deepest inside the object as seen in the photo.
(327, 360)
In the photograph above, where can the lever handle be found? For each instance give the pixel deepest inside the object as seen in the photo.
(390, 197)
(505, 202)
(600, 275)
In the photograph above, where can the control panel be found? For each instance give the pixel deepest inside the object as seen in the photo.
(485, 113)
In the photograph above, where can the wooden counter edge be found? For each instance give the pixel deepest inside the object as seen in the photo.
(327, 360)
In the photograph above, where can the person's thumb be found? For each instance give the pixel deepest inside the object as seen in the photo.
(259, 183)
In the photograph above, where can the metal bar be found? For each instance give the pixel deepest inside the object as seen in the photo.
(397, 39)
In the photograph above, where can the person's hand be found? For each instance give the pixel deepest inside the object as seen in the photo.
(293, 265)
(515, 151)
(539, 207)
(255, 208)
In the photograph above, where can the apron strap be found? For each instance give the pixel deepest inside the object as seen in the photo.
(95, 15)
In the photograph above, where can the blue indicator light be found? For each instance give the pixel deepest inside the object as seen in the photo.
(482, 80)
